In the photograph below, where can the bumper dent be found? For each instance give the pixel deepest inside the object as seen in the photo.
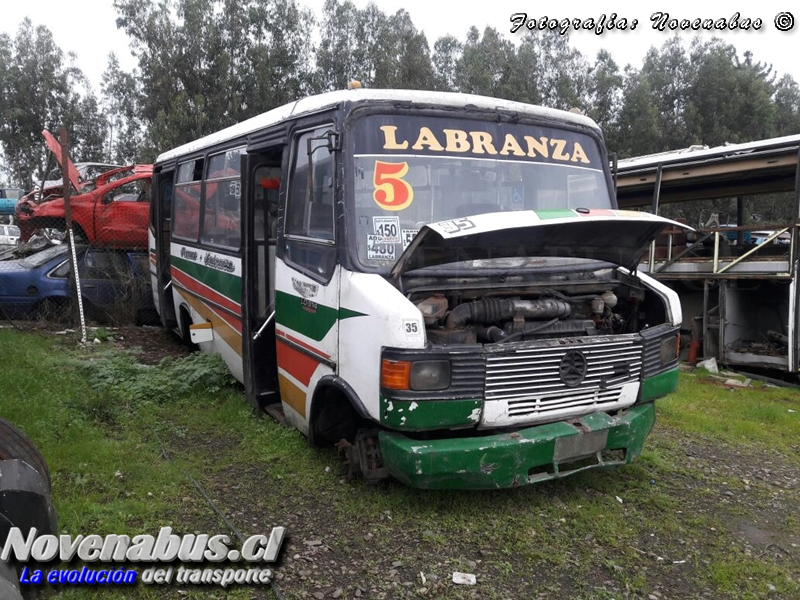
(521, 457)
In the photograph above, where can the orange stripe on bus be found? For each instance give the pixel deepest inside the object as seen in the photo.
(299, 365)
(292, 395)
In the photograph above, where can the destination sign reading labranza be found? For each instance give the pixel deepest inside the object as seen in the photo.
(396, 134)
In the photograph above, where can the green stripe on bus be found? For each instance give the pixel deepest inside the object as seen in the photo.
(225, 283)
(554, 213)
(310, 319)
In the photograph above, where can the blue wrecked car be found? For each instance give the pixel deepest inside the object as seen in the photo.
(114, 285)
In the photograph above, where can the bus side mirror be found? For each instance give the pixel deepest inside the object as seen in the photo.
(331, 139)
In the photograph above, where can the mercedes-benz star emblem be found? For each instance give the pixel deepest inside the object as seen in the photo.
(572, 368)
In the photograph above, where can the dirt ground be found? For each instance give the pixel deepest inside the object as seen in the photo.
(151, 343)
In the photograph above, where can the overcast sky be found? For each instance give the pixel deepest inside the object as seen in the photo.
(88, 28)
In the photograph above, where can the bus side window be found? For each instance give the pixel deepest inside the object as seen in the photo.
(310, 209)
(221, 223)
(309, 226)
(186, 221)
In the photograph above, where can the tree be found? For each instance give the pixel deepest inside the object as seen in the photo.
(787, 106)
(527, 69)
(353, 46)
(605, 87)
(404, 59)
(446, 54)
(39, 91)
(122, 97)
(207, 64)
(561, 72)
(728, 100)
(486, 65)
(375, 49)
(638, 129)
(668, 73)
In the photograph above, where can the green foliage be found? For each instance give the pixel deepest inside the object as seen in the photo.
(40, 88)
(486, 65)
(120, 377)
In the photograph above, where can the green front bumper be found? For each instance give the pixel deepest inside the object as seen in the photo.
(520, 457)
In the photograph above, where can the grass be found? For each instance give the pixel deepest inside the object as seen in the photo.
(759, 415)
(663, 523)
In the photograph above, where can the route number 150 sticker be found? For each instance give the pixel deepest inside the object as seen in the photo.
(392, 192)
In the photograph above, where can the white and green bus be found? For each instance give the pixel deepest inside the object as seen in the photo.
(439, 284)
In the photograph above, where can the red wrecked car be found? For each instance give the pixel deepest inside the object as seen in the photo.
(108, 211)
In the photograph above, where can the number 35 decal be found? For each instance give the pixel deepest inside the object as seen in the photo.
(392, 192)
(411, 328)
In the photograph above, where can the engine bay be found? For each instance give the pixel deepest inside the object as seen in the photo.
(498, 309)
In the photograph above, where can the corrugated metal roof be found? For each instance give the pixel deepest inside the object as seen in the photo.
(696, 154)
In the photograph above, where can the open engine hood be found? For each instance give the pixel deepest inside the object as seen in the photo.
(619, 237)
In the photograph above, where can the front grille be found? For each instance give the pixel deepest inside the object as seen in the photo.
(536, 373)
(552, 380)
(467, 372)
(574, 399)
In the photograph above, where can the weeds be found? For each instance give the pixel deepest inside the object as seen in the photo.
(120, 377)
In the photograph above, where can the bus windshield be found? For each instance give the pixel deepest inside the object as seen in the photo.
(410, 171)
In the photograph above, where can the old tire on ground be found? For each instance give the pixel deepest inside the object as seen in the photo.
(16, 445)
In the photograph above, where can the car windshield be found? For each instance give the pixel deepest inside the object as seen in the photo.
(43, 256)
(410, 171)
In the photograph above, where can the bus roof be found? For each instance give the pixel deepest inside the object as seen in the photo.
(319, 102)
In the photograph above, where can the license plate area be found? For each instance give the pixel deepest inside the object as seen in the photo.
(579, 446)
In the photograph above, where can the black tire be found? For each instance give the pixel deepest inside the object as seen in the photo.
(16, 445)
(186, 336)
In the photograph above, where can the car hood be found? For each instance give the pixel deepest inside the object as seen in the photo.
(619, 237)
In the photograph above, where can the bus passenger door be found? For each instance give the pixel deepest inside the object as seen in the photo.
(159, 246)
(261, 184)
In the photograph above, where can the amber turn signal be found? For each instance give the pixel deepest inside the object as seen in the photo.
(395, 374)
